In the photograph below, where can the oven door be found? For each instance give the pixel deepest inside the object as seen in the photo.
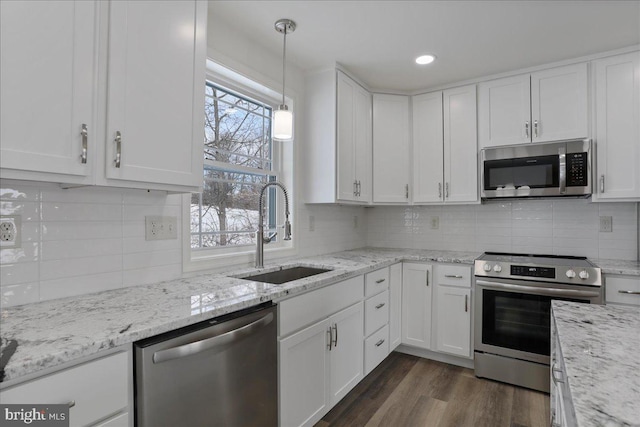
(512, 318)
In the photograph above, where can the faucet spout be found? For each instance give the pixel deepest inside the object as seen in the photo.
(260, 238)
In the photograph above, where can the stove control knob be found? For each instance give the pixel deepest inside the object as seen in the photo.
(497, 268)
(584, 274)
(571, 274)
(487, 267)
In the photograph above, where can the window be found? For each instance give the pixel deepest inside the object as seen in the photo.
(238, 161)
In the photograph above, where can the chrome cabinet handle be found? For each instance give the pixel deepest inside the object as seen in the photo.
(84, 132)
(335, 341)
(440, 190)
(466, 303)
(355, 188)
(629, 292)
(358, 187)
(118, 142)
(602, 183)
(446, 190)
(379, 306)
(526, 129)
(562, 154)
(453, 276)
(427, 277)
(535, 128)
(379, 343)
(555, 370)
(329, 331)
(406, 191)
(380, 280)
(209, 343)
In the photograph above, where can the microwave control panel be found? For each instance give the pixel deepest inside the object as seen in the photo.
(577, 170)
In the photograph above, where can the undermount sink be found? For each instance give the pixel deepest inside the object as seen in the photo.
(286, 275)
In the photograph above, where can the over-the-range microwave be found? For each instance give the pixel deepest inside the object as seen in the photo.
(550, 169)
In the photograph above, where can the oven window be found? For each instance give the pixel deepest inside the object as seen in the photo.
(535, 172)
(517, 321)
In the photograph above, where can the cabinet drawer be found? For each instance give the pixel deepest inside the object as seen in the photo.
(622, 290)
(303, 310)
(376, 348)
(99, 388)
(454, 275)
(376, 281)
(376, 312)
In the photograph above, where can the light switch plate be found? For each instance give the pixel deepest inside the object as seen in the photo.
(161, 227)
(10, 229)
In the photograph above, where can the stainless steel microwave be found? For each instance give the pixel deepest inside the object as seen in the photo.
(550, 169)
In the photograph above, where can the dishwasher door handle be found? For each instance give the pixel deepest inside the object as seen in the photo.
(209, 343)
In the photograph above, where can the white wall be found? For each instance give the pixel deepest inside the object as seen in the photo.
(561, 227)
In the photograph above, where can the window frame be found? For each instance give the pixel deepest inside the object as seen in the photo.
(199, 259)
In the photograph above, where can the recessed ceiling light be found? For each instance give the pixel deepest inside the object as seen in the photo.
(425, 59)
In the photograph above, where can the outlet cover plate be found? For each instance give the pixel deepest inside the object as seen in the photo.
(435, 222)
(10, 229)
(161, 227)
(606, 224)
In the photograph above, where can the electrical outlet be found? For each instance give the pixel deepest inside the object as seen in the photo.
(606, 224)
(312, 223)
(10, 227)
(435, 222)
(355, 221)
(161, 227)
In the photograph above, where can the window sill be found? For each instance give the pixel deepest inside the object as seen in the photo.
(246, 258)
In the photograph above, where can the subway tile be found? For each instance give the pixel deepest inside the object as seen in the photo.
(91, 195)
(93, 212)
(80, 285)
(27, 252)
(79, 248)
(67, 230)
(139, 244)
(28, 211)
(151, 259)
(630, 254)
(17, 191)
(146, 276)
(21, 272)
(138, 212)
(72, 267)
(23, 293)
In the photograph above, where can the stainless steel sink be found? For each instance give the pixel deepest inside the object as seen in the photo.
(286, 275)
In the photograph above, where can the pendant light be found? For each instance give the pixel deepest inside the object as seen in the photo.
(282, 117)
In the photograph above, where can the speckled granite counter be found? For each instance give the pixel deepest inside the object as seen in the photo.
(600, 346)
(48, 334)
(614, 266)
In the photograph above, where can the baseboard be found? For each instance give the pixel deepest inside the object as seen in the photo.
(434, 355)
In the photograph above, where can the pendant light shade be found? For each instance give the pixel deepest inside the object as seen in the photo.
(282, 117)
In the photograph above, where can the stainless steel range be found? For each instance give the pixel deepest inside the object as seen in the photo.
(513, 294)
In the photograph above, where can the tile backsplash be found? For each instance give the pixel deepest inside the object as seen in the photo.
(561, 227)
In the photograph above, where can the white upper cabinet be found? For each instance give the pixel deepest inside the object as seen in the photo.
(617, 127)
(391, 166)
(445, 146)
(543, 106)
(71, 69)
(47, 72)
(156, 92)
(337, 163)
(353, 140)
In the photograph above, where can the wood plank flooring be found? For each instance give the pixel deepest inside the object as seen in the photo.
(408, 391)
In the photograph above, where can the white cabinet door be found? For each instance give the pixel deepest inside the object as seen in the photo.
(363, 144)
(617, 134)
(346, 173)
(391, 148)
(454, 320)
(155, 93)
(47, 80)
(460, 145)
(428, 138)
(504, 111)
(395, 305)
(559, 103)
(346, 356)
(304, 375)
(416, 304)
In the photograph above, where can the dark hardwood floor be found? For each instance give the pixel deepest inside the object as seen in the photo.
(406, 390)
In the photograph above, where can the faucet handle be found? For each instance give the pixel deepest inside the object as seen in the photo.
(270, 237)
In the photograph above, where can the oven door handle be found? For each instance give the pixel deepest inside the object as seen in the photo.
(554, 292)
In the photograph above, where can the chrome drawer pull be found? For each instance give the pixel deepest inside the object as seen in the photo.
(466, 303)
(427, 277)
(329, 331)
(602, 183)
(526, 129)
(84, 132)
(629, 292)
(118, 142)
(453, 276)
(535, 128)
(380, 280)
(379, 306)
(379, 343)
(335, 342)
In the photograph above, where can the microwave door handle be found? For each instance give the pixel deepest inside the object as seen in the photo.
(562, 154)
(552, 292)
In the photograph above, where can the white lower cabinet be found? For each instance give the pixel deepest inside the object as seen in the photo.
(345, 353)
(395, 306)
(453, 311)
(416, 304)
(98, 392)
(622, 290)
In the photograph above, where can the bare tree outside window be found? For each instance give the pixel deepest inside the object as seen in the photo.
(237, 163)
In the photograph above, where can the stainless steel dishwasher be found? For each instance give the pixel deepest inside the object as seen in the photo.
(222, 372)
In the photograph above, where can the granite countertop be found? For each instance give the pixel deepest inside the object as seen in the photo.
(614, 266)
(600, 346)
(51, 333)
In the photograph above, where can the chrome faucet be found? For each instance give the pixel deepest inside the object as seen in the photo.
(260, 239)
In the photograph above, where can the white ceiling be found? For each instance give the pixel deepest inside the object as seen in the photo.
(379, 40)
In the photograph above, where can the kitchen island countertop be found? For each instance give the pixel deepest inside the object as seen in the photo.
(600, 346)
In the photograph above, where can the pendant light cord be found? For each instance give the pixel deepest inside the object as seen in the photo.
(284, 58)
